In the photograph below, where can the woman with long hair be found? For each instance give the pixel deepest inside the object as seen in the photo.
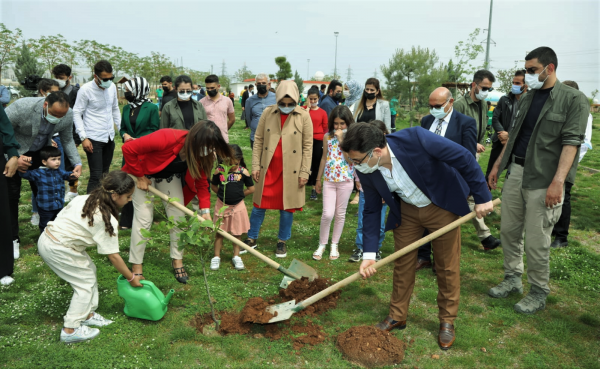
(372, 106)
(164, 159)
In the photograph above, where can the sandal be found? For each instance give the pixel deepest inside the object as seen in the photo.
(333, 252)
(180, 273)
(319, 253)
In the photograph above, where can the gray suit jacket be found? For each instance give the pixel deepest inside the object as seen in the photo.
(25, 115)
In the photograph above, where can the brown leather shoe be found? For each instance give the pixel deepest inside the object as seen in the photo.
(446, 336)
(421, 263)
(389, 324)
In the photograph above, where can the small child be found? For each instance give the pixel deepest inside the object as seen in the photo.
(87, 221)
(50, 181)
(235, 218)
(339, 175)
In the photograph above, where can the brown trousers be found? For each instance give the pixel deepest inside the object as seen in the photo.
(446, 252)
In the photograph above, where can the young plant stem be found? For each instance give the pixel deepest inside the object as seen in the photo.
(212, 307)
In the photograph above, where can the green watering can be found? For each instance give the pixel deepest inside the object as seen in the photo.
(145, 302)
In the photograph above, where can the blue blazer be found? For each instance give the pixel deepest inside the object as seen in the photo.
(327, 103)
(443, 170)
(461, 129)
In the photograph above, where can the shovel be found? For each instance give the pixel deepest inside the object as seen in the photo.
(296, 270)
(285, 310)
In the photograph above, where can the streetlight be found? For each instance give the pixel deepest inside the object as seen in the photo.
(335, 65)
(307, 68)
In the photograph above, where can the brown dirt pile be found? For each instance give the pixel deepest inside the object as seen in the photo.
(254, 311)
(370, 347)
(313, 335)
(301, 289)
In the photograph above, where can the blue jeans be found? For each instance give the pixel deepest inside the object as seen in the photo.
(359, 233)
(34, 208)
(285, 223)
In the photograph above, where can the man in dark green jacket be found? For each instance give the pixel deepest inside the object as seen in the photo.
(540, 155)
(474, 105)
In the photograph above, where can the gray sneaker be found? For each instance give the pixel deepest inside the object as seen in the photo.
(281, 250)
(97, 320)
(510, 284)
(533, 302)
(83, 333)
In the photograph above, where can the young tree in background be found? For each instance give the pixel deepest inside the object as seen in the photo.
(299, 82)
(465, 52)
(9, 43)
(285, 68)
(242, 74)
(26, 65)
(505, 78)
(52, 50)
(90, 52)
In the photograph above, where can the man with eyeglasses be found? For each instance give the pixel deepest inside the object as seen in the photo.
(425, 180)
(95, 114)
(473, 104)
(256, 104)
(540, 156)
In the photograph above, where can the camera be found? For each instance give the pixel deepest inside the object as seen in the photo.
(30, 83)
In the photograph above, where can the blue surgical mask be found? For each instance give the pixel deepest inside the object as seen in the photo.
(286, 110)
(52, 119)
(364, 166)
(516, 90)
(439, 113)
(196, 92)
(104, 84)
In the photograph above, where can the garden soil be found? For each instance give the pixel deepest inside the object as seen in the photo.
(370, 347)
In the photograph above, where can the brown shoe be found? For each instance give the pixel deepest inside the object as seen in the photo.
(421, 263)
(389, 324)
(446, 336)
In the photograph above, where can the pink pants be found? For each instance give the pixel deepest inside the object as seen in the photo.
(335, 202)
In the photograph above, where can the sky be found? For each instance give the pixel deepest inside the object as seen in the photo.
(204, 33)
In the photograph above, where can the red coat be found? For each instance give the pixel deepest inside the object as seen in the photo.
(152, 153)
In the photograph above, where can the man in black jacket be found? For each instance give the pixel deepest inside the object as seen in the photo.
(249, 92)
(504, 114)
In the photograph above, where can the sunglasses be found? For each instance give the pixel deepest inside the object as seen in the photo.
(106, 79)
(438, 106)
(184, 91)
(290, 105)
(490, 89)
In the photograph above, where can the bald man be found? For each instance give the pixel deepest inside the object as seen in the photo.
(446, 122)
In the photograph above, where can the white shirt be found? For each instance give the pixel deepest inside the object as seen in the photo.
(436, 122)
(96, 112)
(587, 141)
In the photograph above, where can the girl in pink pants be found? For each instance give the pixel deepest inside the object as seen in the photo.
(338, 173)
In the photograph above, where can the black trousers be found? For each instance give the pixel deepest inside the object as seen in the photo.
(14, 193)
(393, 124)
(6, 238)
(561, 228)
(47, 216)
(315, 162)
(126, 219)
(496, 151)
(252, 144)
(99, 161)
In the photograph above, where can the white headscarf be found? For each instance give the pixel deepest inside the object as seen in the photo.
(140, 89)
(355, 90)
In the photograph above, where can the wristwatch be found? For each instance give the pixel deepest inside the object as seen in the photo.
(204, 211)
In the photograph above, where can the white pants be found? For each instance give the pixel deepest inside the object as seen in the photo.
(143, 214)
(79, 271)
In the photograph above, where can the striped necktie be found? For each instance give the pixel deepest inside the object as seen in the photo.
(438, 129)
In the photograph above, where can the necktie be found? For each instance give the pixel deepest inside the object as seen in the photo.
(438, 129)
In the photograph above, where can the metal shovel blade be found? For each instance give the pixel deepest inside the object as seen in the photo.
(284, 311)
(301, 269)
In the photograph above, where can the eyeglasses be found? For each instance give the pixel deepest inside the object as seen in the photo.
(361, 160)
(490, 89)
(184, 91)
(438, 106)
(290, 105)
(105, 79)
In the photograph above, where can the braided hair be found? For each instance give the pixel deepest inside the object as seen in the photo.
(116, 182)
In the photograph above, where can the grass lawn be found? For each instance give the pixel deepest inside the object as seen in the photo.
(489, 333)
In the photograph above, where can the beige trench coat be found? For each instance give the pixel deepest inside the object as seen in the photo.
(297, 140)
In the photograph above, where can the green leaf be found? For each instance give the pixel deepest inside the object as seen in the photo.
(222, 210)
(145, 233)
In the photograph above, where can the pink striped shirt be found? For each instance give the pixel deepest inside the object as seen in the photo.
(217, 112)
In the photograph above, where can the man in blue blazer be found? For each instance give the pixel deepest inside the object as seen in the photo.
(446, 122)
(425, 179)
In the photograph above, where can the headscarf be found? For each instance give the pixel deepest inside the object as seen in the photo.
(140, 89)
(287, 88)
(355, 90)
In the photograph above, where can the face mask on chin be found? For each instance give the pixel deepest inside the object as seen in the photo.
(365, 168)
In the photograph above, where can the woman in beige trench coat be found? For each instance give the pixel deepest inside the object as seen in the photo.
(281, 163)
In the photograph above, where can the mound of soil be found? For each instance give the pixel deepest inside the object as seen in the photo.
(254, 311)
(301, 289)
(313, 335)
(370, 347)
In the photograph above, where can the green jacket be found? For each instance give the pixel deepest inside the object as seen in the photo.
(467, 106)
(561, 122)
(147, 121)
(172, 117)
(9, 143)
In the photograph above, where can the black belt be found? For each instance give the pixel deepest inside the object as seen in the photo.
(518, 160)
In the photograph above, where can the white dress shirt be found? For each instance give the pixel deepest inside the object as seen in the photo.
(444, 124)
(96, 112)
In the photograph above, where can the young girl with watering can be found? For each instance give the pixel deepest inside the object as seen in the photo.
(87, 221)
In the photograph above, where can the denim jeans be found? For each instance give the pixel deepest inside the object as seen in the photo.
(359, 232)
(285, 223)
(34, 208)
(99, 161)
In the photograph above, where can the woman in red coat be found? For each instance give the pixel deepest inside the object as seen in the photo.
(175, 162)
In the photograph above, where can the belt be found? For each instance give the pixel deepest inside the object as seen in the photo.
(518, 160)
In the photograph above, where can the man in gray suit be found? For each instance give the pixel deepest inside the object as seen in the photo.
(35, 120)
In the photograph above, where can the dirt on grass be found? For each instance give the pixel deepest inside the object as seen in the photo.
(370, 347)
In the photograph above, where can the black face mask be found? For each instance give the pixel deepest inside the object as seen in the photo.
(212, 93)
(338, 96)
(370, 95)
(261, 89)
(165, 88)
(129, 96)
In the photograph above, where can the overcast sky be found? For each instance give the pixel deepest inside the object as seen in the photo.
(206, 33)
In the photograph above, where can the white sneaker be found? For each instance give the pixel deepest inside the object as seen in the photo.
(70, 196)
(35, 219)
(6, 280)
(83, 333)
(237, 262)
(215, 263)
(97, 320)
(16, 249)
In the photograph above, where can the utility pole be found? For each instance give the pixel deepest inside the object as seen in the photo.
(376, 75)
(349, 73)
(223, 70)
(307, 69)
(335, 65)
(211, 69)
(486, 65)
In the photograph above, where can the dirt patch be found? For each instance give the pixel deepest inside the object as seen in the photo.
(312, 335)
(301, 289)
(254, 311)
(371, 347)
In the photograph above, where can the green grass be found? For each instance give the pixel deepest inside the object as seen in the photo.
(565, 335)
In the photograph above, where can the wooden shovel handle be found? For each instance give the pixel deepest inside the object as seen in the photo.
(413, 246)
(226, 235)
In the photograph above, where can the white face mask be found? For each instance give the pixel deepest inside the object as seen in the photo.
(314, 105)
(61, 83)
(481, 95)
(364, 166)
(533, 80)
(184, 95)
(439, 113)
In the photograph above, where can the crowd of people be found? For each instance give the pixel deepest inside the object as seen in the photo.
(343, 138)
